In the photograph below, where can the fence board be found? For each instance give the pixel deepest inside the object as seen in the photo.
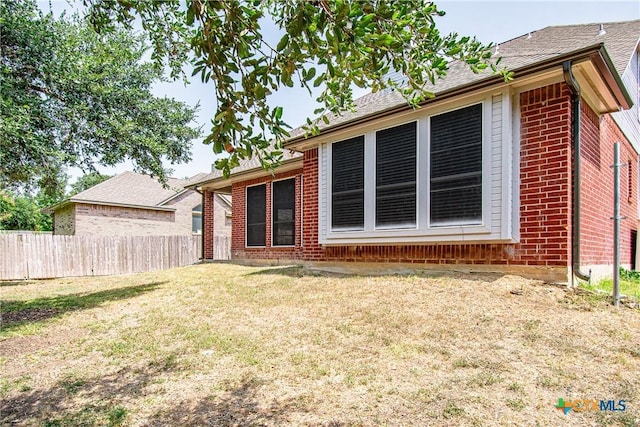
(40, 256)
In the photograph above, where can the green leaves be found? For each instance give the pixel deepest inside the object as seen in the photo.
(327, 47)
(71, 97)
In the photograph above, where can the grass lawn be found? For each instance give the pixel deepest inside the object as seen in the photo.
(629, 285)
(226, 345)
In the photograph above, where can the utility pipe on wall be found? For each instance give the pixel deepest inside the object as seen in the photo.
(575, 179)
(616, 223)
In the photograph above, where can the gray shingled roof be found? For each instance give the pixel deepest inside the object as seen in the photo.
(130, 188)
(620, 40)
(245, 165)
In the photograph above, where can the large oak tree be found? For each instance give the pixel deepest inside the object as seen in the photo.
(71, 97)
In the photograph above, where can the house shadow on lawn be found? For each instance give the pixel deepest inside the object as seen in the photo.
(16, 313)
(297, 271)
(374, 270)
(77, 400)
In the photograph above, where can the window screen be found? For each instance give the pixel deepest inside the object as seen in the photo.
(347, 184)
(256, 215)
(284, 202)
(396, 176)
(456, 166)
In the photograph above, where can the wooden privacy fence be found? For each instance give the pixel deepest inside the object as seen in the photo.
(37, 256)
(221, 247)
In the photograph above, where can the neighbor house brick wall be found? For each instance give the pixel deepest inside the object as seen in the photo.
(93, 219)
(184, 205)
(598, 135)
(238, 238)
(221, 213)
(64, 220)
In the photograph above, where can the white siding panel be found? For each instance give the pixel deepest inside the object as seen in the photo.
(496, 164)
(323, 200)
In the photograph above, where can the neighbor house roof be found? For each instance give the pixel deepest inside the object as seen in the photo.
(133, 190)
(533, 51)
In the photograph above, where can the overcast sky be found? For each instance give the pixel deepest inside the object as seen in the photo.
(489, 21)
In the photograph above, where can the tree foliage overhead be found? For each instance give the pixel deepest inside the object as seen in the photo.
(71, 97)
(325, 44)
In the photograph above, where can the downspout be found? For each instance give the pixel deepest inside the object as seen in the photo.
(575, 167)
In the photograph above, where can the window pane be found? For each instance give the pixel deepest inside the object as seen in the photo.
(396, 176)
(256, 215)
(347, 184)
(196, 223)
(456, 166)
(284, 194)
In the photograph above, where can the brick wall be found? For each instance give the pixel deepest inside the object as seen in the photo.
(596, 232)
(64, 220)
(545, 201)
(545, 145)
(238, 246)
(92, 219)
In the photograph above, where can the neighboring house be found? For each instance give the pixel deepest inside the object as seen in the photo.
(132, 204)
(489, 175)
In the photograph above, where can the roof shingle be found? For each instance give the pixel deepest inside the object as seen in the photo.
(130, 188)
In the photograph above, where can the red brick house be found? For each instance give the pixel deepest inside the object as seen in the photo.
(489, 175)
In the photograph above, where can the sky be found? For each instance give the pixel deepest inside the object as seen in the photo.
(489, 21)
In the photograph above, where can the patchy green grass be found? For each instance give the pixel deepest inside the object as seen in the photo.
(629, 284)
(229, 345)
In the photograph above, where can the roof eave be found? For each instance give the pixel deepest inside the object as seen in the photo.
(606, 69)
(605, 66)
(221, 183)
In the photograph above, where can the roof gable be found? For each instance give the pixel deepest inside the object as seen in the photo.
(130, 188)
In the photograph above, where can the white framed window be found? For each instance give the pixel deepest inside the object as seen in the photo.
(442, 175)
(455, 167)
(396, 173)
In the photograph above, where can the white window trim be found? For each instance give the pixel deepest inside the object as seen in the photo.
(246, 217)
(294, 213)
(424, 231)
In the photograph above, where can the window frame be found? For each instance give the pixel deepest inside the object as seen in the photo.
(500, 190)
(246, 216)
(292, 178)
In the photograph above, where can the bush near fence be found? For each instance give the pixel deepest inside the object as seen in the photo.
(41, 256)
